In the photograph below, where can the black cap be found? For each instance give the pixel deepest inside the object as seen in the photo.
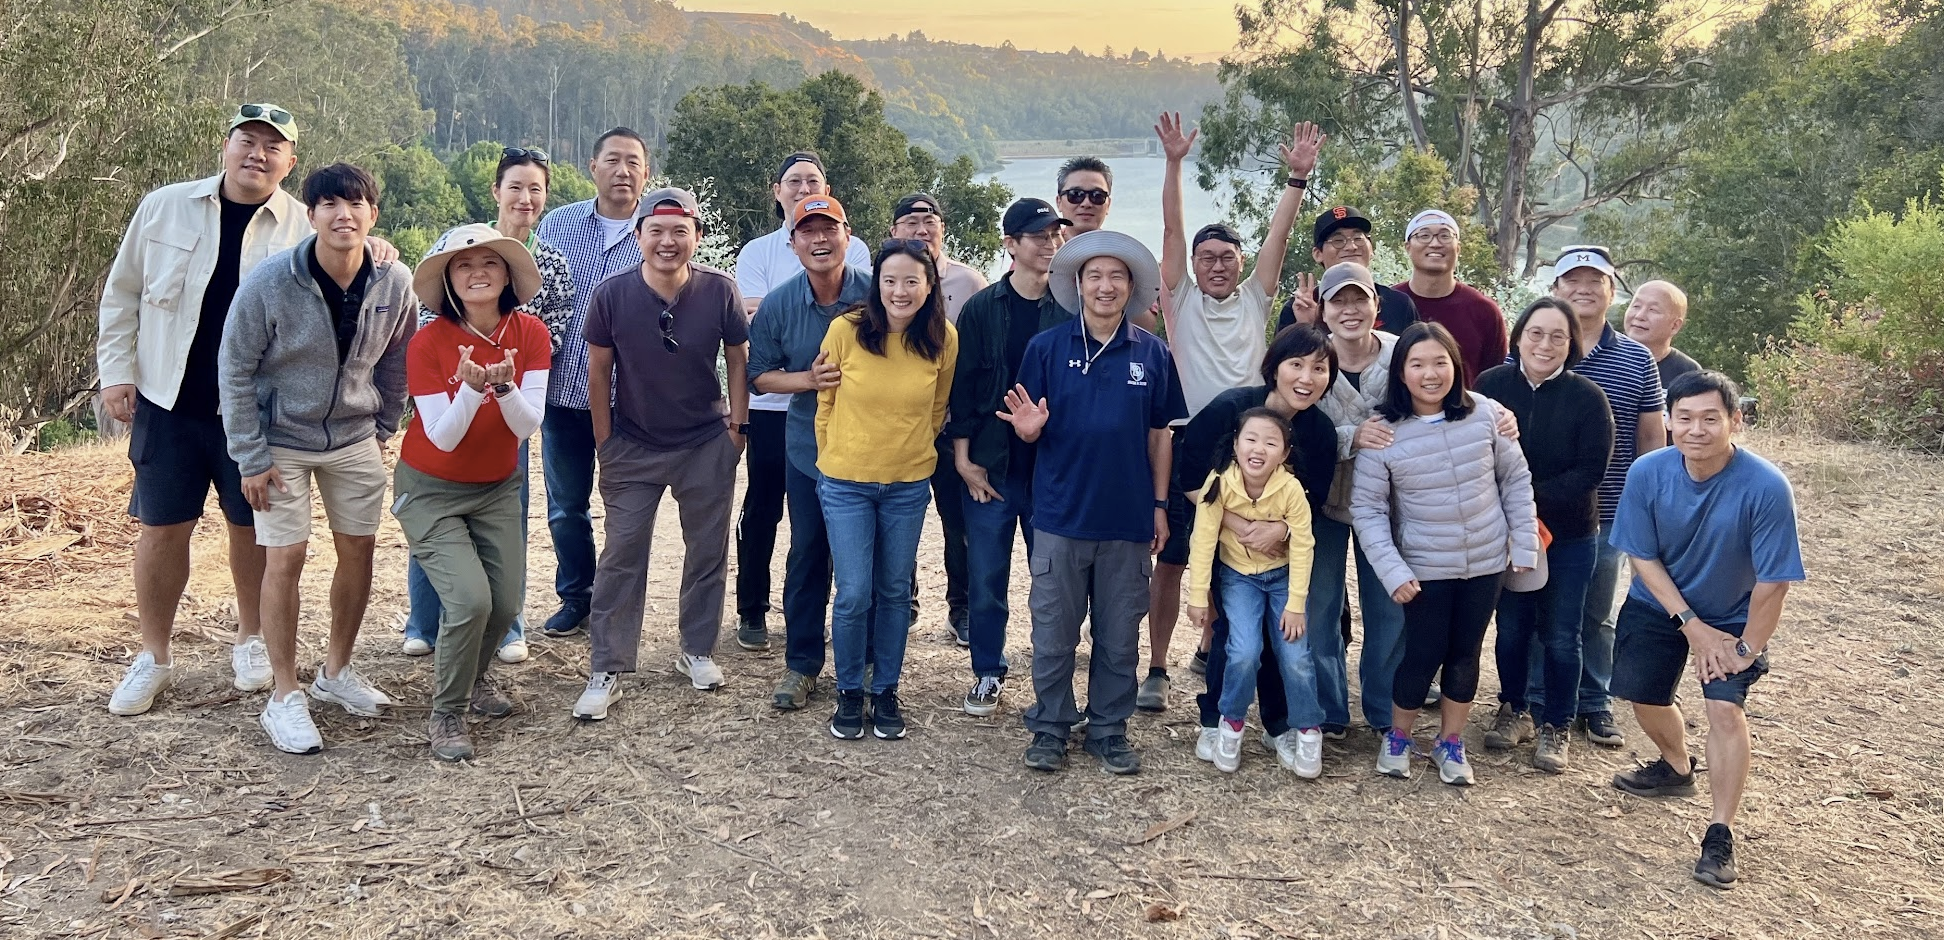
(801, 156)
(1336, 218)
(1027, 216)
(919, 203)
(1218, 231)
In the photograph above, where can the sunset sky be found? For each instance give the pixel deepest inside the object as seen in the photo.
(1199, 28)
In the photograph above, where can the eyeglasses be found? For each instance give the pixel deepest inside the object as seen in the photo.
(1435, 238)
(264, 112)
(1341, 242)
(668, 332)
(525, 153)
(1076, 195)
(1539, 337)
(1051, 236)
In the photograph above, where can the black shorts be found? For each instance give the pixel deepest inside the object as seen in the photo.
(1650, 654)
(1181, 517)
(177, 459)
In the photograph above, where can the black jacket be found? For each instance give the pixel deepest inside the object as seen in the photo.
(1566, 431)
(981, 379)
(1313, 436)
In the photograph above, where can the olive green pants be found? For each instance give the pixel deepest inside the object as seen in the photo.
(468, 539)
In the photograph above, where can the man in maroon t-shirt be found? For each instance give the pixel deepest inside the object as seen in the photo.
(1474, 319)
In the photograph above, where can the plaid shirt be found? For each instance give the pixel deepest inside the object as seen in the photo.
(591, 259)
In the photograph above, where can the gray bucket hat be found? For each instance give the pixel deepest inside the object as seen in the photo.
(429, 280)
(1064, 276)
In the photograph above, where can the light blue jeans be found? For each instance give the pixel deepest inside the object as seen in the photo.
(1383, 630)
(873, 530)
(1253, 604)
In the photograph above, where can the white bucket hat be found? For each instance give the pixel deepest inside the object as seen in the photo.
(429, 280)
(1064, 276)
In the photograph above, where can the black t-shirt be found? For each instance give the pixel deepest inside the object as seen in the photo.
(197, 394)
(344, 302)
(1354, 378)
(1674, 365)
(1312, 437)
(1022, 324)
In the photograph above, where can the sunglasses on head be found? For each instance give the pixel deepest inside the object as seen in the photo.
(525, 153)
(905, 244)
(264, 112)
(668, 332)
(1076, 195)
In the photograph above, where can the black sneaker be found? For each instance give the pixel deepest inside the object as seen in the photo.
(1335, 732)
(1047, 752)
(983, 700)
(848, 721)
(962, 628)
(752, 632)
(1601, 730)
(887, 723)
(1116, 755)
(1716, 869)
(1656, 779)
(567, 621)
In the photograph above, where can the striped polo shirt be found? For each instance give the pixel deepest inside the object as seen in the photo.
(1626, 371)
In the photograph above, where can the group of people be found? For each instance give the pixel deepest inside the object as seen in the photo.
(258, 342)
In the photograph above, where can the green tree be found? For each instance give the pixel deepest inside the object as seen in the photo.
(416, 192)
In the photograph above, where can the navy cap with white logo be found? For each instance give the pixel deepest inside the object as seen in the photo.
(1030, 215)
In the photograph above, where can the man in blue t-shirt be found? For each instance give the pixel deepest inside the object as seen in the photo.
(1097, 395)
(1711, 531)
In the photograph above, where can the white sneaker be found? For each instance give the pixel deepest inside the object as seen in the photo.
(250, 660)
(289, 724)
(603, 689)
(514, 652)
(1306, 756)
(139, 686)
(1273, 743)
(1394, 756)
(702, 671)
(357, 695)
(1228, 747)
(1205, 745)
(413, 646)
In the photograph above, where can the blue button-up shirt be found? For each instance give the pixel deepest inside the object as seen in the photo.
(785, 336)
(591, 259)
(1093, 480)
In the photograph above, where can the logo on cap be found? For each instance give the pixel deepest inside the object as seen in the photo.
(815, 204)
(1341, 212)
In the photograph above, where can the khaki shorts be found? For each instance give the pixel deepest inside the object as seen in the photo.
(351, 480)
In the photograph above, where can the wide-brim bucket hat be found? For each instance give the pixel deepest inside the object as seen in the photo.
(1064, 276)
(429, 280)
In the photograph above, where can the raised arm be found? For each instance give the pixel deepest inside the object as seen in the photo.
(1299, 155)
(1174, 238)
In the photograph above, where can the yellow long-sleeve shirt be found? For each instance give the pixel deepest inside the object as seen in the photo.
(881, 423)
(1282, 500)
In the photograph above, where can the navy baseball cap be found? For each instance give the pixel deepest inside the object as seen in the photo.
(1026, 216)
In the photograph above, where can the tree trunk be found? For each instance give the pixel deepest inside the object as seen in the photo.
(1401, 45)
(1521, 139)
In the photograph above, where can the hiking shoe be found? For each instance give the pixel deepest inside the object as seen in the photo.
(1335, 732)
(1550, 754)
(793, 691)
(413, 646)
(603, 689)
(1117, 757)
(702, 671)
(289, 724)
(449, 740)
(847, 722)
(887, 722)
(1394, 755)
(1601, 730)
(513, 652)
(1047, 752)
(1510, 728)
(139, 686)
(567, 621)
(1656, 779)
(1306, 755)
(962, 628)
(1205, 744)
(1433, 696)
(1453, 768)
(487, 701)
(1198, 663)
(1153, 696)
(351, 691)
(250, 662)
(1228, 746)
(1716, 869)
(983, 700)
(752, 632)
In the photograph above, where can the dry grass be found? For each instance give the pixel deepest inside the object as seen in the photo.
(690, 815)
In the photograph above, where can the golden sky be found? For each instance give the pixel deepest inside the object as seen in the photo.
(1203, 29)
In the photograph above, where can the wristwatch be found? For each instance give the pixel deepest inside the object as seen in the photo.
(1687, 615)
(1741, 648)
(743, 429)
(1160, 504)
(1297, 182)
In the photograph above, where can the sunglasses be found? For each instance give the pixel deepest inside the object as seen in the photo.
(904, 244)
(668, 332)
(525, 153)
(1076, 195)
(264, 112)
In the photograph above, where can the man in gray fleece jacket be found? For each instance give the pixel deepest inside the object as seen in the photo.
(312, 376)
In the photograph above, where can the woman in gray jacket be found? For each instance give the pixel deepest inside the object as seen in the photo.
(1441, 512)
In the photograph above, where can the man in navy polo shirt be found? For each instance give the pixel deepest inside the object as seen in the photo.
(1097, 397)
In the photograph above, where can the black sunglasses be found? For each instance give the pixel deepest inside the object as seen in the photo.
(259, 112)
(904, 244)
(668, 332)
(1076, 195)
(525, 153)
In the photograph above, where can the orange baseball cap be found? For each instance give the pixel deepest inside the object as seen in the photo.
(819, 204)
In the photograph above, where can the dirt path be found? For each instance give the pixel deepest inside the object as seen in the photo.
(695, 815)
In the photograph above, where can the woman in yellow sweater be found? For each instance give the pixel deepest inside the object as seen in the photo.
(1261, 594)
(875, 433)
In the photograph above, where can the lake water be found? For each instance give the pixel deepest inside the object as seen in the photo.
(1137, 195)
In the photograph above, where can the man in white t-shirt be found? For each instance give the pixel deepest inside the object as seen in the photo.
(763, 263)
(1218, 329)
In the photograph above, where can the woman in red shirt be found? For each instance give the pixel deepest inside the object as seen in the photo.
(478, 379)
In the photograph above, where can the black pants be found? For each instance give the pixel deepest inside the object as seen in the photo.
(948, 496)
(1444, 627)
(762, 509)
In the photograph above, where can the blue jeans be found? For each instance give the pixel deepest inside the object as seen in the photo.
(874, 527)
(567, 462)
(988, 567)
(1272, 702)
(1596, 632)
(1550, 615)
(422, 619)
(1253, 604)
(806, 575)
(1383, 630)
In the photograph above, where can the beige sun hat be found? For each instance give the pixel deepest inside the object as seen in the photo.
(1064, 278)
(429, 281)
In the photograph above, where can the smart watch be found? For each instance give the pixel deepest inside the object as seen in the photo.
(1297, 182)
(1686, 616)
(743, 429)
(503, 389)
(1160, 504)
